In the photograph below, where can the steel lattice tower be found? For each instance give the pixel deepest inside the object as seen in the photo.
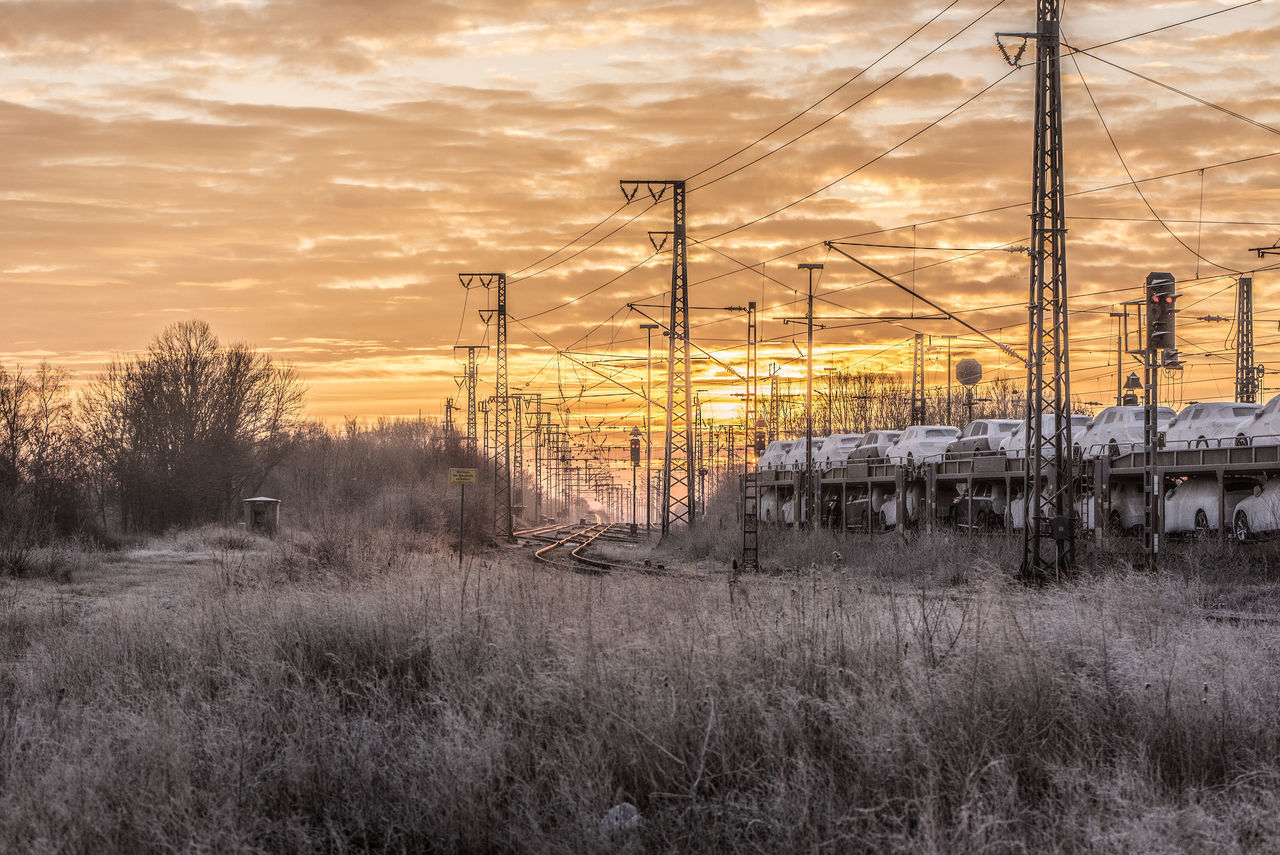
(751, 491)
(472, 378)
(1049, 536)
(917, 381)
(502, 518)
(517, 452)
(1248, 375)
(678, 476)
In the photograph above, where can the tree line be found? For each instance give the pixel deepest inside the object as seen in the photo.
(179, 434)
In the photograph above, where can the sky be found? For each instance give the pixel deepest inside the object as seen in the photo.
(311, 177)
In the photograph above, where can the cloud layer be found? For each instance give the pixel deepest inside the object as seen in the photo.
(311, 176)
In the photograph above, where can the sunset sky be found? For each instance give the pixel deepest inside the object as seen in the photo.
(310, 177)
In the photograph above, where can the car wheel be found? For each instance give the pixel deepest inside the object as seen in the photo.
(911, 459)
(1202, 524)
(1242, 440)
(1241, 528)
(1201, 442)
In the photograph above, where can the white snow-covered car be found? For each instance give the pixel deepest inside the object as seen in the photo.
(1118, 430)
(874, 445)
(773, 455)
(1208, 424)
(795, 458)
(1015, 444)
(888, 504)
(1264, 427)
(1259, 512)
(1192, 505)
(767, 506)
(789, 509)
(1127, 512)
(1016, 516)
(922, 443)
(980, 436)
(835, 450)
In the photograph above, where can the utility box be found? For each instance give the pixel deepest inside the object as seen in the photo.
(261, 514)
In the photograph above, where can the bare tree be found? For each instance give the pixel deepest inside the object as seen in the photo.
(180, 433)
(39, 460)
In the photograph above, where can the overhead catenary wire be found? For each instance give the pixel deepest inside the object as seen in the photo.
(1131, 182)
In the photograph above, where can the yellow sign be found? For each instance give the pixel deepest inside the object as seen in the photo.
(462, 476)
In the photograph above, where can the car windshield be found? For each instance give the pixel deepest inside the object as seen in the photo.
(939, 432)
(1241, 412)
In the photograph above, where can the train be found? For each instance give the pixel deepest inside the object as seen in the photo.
(1217, 466)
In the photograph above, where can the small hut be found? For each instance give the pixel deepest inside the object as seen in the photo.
(262, 514)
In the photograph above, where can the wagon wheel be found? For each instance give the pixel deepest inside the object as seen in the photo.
(1202, 523)
(1241, 528)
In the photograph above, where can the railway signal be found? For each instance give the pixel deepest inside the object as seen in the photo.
(1161, 314)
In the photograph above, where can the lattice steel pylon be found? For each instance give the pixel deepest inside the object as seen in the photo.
(472, 378)
(1049, 533)
(502, 517)
(517, 453)
(1248, 375)
(917, 381)
(750, 485)
(678, 478)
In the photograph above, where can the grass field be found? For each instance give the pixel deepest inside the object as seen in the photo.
(211, 693)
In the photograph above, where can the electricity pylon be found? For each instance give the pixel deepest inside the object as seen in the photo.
(1248, 375)
(753, 441)
(1049, 533)
(678, 478)
(471, 379)
(917, 381)
(502, 518)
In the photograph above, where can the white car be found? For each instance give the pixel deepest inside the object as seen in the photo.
(874, 445)
(795, 457)
(1259, 512)
(1016, 516)
(767, 507)
(773, 455)
(1127, 512)
(1193, 504)
(835, 450)
(1015, 444)
(980, 436)
(1208, 424)
(922, 443)
(1264, 428)
(1118, 430)
(887, 506)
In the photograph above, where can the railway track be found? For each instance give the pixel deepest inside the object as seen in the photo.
(565, 545)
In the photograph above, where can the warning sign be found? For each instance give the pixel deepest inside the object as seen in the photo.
(462, 476)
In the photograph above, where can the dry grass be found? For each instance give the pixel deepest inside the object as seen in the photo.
(243, 697)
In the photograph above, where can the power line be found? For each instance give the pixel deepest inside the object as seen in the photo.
(860, 100)
(1119, 155)
(815, 104)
